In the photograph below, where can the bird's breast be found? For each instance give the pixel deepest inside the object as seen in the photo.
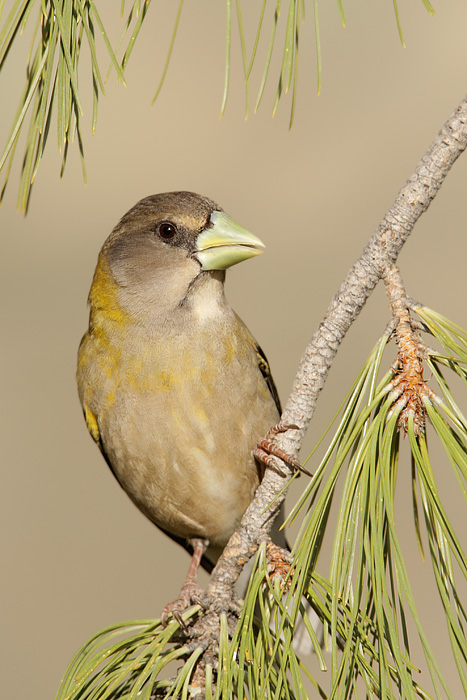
(179, 414)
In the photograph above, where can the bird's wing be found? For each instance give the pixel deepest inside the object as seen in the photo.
(265, 370)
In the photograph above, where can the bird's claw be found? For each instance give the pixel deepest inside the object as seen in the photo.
(200, 599)
(266, 450)
(191, 593)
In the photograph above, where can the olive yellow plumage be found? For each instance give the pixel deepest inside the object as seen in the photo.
(174, 388)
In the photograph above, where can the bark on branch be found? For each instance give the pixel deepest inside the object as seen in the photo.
(374, 264)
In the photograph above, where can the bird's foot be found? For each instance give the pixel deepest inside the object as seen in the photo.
(191, 594)
(268, 452)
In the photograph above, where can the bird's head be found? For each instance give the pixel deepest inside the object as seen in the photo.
(166, 242)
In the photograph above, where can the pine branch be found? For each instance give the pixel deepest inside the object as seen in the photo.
(374, 264)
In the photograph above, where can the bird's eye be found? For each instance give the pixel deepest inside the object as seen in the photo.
(167, 230)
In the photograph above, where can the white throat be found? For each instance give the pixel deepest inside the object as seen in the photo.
(208, 301)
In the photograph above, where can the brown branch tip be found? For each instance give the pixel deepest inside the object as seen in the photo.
(409, 389)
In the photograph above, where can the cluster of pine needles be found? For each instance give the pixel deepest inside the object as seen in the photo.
(60, 28)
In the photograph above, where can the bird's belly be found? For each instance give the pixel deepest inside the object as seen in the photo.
(191, 475)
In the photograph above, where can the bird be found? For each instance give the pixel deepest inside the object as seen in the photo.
(174, 388)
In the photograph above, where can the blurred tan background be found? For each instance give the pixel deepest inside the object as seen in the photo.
(76, 554)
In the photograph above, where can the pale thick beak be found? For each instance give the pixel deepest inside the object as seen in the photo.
(225, 243)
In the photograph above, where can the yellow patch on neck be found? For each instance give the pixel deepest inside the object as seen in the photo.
(103, 297)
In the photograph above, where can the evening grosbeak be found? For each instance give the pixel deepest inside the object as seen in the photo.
(175, 390)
